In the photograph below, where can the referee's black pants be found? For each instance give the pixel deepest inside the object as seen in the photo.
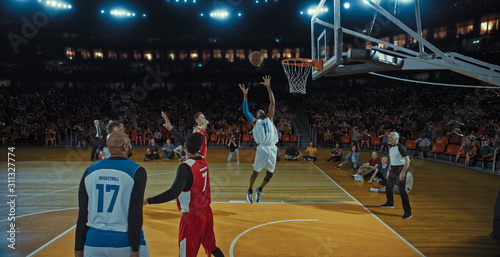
(394, 179)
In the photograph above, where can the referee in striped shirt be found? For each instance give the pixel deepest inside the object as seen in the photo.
(400, 162)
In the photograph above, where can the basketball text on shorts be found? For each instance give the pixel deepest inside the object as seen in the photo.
(11, 196)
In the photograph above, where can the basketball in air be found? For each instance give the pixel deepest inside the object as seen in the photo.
(256, 58)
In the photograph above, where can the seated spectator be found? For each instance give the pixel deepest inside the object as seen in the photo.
(468, 149)
(157, 136)
(336, 154)
(422, 144)
(233, 147)
(311, 151)
(365, 139)
(153, 151)
(327, 137)
(291, 153)
(351, 159)
(485, 152)
(381, 172)
(181, 152)
(168, 150)
(368, 167)
(455, 136)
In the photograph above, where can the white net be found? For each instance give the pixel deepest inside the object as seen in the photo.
(297, 72)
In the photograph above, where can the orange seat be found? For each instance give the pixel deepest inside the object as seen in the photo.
(345, 139)
(437, 148)
(375, 140)
(133, 137)
(294, 139)
(442, 140)
(246, 138)
(286, 138)
(213, 138)
(410, 145)
(452, 150)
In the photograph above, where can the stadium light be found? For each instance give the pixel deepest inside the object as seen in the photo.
(56, 4)
(120, 13)
(219, 14)
(311, 11)
(347, 5)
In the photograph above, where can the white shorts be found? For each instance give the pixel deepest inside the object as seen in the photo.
(91, 251)
(265, 158)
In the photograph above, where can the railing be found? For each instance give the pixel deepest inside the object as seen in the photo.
(495, 159)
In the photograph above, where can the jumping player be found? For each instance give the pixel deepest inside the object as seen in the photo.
(266, 136)
(110, 200)
(191, 187)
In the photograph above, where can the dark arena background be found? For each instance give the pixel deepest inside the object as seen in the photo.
(66, 63)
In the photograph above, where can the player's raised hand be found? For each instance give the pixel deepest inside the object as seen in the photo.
(167, 124)
(267, 81)
(243, 89)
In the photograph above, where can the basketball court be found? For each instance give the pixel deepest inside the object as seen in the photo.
(304, 211)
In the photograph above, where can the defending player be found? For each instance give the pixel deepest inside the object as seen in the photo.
(201, 127)
(110, 202)
(266, 136)
(192, 190)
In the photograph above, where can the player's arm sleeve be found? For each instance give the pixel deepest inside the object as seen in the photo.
(135, 209)
(181, 182)
(81, 223)
(178, 136)
(247, 113)
(402, 150)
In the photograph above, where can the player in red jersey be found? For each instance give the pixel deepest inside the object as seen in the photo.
(201, 127)
(191, 187)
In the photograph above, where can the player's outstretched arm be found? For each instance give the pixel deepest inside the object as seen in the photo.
(247, 113)
(167, 124)
(267, 83)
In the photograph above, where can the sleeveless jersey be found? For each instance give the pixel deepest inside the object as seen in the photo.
(198, 196)
(109, 185)
(265, 133)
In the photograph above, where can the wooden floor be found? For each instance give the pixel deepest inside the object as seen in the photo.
(305, 210)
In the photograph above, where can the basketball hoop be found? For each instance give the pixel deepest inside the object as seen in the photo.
(297, 71)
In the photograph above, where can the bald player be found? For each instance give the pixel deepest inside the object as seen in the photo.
(110, 200)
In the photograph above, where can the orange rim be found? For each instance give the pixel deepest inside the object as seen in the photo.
(304, 62)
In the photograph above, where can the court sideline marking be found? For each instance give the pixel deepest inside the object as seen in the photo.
(51, 241)
(258, 226)
(404, 240)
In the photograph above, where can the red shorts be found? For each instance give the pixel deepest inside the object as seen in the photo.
(197, 228)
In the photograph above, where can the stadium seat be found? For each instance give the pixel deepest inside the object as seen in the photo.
(133, 138)
(375, 141)
(286, 139)
(481, 160)
(293, 138)
(410, 145)
(437, 148)
(246, 138)
(442, 140)
(213, 138)
(345, 139)
(452, 150)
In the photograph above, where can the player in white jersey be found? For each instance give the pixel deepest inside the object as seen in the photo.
(110, 201)
(266, 136)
